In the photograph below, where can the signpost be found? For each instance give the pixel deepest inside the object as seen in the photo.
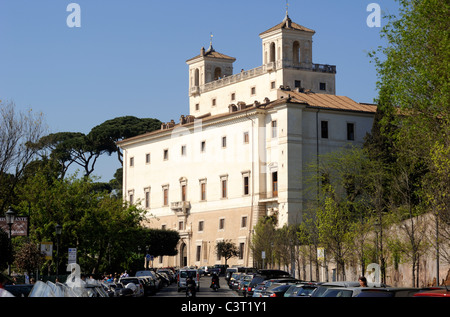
(72, 258)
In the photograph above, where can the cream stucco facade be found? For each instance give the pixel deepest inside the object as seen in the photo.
(241, 152)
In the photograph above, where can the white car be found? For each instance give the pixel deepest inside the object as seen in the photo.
(183, 274)
(134, 284)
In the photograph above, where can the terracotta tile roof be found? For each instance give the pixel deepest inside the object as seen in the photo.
(312, 100)
(325, 101)
(213, 54)
(292, 25)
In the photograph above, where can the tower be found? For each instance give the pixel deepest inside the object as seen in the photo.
(207, 67)
(287, 47)
(287, 44)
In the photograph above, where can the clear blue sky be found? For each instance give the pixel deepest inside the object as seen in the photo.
(128, 57)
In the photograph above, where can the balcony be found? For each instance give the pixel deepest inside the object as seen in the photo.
(268, 197)
(180, 208)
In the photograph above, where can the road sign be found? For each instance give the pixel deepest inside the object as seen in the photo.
(72, 255)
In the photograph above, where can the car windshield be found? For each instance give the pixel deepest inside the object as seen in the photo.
(305, 291)
(185, 274)
(337, 293)
(129, 280)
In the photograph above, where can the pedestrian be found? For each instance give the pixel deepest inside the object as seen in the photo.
(362, 281)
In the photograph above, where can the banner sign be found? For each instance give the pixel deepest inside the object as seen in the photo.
(19, 227)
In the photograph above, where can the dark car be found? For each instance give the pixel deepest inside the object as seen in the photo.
(243, 286)
(388, 292)
(20, 290)
(301, 289)
(277, 291)
(263, 275)
(322, 288)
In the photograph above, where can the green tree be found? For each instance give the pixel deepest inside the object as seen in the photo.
(114, 130)
(414, 94)
(101, 227)
(227, 249)
(263, 240)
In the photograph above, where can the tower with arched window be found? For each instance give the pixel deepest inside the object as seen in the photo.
(207, 67)
(287, 64)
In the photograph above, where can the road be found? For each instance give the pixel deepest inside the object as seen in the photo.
(205, 291)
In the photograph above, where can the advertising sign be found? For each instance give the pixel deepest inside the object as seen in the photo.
(19, 227)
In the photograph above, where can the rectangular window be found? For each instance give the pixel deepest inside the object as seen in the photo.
(275, 184)
(183, 150)
(244, 222)
(183, 192)
(298, 84)
(131, 197)
(147, 197)
(166, 196)
(323, 86)
(224, 188)
(246, 137)
(272, 85)
(200, 226)
(147, 158)
(203, 146)
(198, 253)
(253, 91)
(213, 102)
(224, 142)
(241, 250)
(180, 225)
(166, 154)
(221, 223)
(246, 185)
(197, 107)
(350, 131)
(324, 129)
(274, 129)
(131, 161)
(203, 191)
(233, 96)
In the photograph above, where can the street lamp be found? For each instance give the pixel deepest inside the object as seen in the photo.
(58, 230)
(10, 217)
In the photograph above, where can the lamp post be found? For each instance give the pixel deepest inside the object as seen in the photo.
(10, 217)
(58, 230)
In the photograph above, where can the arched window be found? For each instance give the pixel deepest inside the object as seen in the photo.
(272, 52)
(296, 52)
(197, 77)
(217, 73)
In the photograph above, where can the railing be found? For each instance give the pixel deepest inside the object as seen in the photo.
(180, 207)
(272, 66)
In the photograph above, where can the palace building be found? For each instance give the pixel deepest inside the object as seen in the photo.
(242, 151)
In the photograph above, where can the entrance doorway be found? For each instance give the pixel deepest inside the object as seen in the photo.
(183, 255)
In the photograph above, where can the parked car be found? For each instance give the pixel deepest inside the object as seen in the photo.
(388, 292)
(152, 275)
(263, 286)
(323, 287)
(234, 281)
(243, 286)
(264, 275)
(276, 290)
(149, 285)
(439, 292)
(229, 272)
(342, 291)
(183, 274)
(138, 287)
(170, 274)
(20, 290)
(302, 289)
